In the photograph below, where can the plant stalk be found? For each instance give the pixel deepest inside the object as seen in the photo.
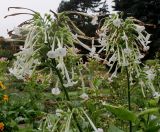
(129, 97)
(67, 95)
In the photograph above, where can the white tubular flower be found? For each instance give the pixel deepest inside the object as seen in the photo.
(36, 62)
(61, 66)
(110, 79)
(84, 96)
(140, 56)
(23, 67)
(16, 72)
(45, 36)
(124, 37)
(115, 72)
(75, 36)
(59, 112)
(17, 31)
(99, 130)
(61, 52)
(156, 95)
(26, 51)
(153, 117)
(117, 22)
(55, 91)
(150, 74)
(127, 50)
(139, 29)
(114, 75)
(93, 50)
(97, 57)
(52, 54)
(146, 48)
(137, 61)
(144, 41)
(146, 38)
(94, 20)
(70, 82)
(13, 70)
(112, 59)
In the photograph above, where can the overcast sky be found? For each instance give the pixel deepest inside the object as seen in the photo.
(41, 6)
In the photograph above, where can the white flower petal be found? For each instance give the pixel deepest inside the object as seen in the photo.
(84, 96)
(94, 20)
(117, 22)
(55, 91)
(52, 54)
(61, 52)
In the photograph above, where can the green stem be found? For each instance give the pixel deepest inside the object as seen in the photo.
(66, 94)
(129, 98)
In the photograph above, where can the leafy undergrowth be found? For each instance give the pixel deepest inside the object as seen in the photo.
(31, 102)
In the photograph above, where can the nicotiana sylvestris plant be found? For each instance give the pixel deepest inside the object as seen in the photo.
(50, 45)
(124, 44)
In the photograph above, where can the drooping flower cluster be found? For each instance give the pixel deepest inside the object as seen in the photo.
(122, 42)
(58, 52)
(45, 41)
(119, 44)
(147, 78)
(25, 61)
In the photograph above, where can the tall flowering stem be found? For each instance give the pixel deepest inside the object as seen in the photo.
(48, 42)
(61, 79)
(129, 97)
(66, 93)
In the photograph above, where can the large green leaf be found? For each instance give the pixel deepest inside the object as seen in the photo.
(149, 111)
(122, 113)
(114, 129)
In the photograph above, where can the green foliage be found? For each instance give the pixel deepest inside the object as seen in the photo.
(114, 129)
(6, 53)
(121, 113)
(57, 91)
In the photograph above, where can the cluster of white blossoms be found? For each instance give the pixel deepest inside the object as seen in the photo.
(58, 52)
(123, 48)
(149, 74)
(39, 37)
(21, 31)
(144, 40)
(25, 63)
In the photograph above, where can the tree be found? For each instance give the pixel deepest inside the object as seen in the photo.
(88, 6)
(98, 7)
(148, 11)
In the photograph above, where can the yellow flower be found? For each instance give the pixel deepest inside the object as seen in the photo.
(5, 97)
(1, 126)
(2, 86)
